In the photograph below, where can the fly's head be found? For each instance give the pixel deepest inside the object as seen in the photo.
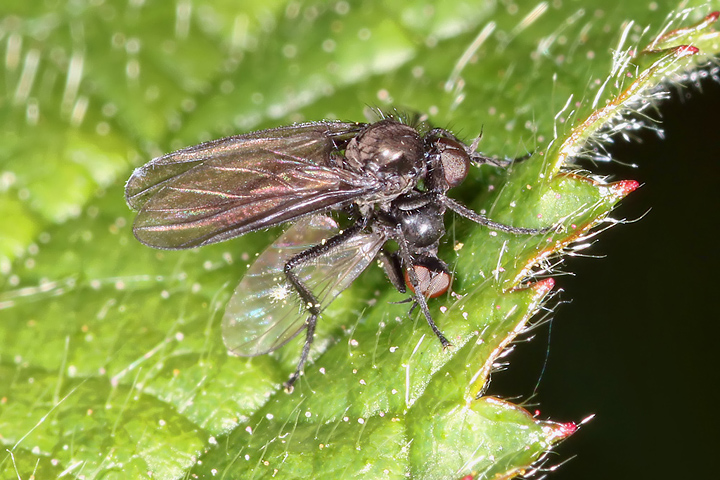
(448, 163)
(433, 276)
(391, 152)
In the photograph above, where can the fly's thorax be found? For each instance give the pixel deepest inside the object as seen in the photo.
(391, 152)
(423, 226)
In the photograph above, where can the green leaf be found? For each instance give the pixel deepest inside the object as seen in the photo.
(112, 363)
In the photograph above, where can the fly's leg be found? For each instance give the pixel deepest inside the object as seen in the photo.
(309, 299)
(482, 220)
(313, 308)
(420, 299)
(391, 264)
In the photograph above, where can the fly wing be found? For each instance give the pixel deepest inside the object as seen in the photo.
(221, 189)
(265, 311)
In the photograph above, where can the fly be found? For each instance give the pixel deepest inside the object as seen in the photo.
(390, 177)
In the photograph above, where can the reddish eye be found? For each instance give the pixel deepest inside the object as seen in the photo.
(431, 283)
(454, 160)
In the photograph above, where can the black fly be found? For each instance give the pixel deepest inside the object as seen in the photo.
(390, 177)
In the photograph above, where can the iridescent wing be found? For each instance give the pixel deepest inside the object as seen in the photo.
(221, 189)
(265, 311)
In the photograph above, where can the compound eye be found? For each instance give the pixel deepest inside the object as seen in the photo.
(455, 161)
(432, 282)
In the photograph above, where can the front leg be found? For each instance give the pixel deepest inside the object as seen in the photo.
(463, 211)
(412, 276)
